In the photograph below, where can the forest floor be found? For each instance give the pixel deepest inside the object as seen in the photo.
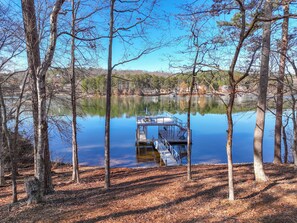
(160, 195)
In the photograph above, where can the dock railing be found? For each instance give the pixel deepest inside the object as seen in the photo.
(173, 151)
(151, 120)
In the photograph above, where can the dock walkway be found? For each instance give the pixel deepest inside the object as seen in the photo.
(167, 153)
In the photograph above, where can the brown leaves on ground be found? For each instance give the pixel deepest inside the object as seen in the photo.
(161, 195)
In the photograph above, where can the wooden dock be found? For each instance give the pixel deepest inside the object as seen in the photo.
(171, 130)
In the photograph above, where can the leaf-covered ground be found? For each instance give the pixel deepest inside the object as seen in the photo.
(160, 195)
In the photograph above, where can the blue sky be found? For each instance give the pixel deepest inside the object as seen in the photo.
(166, 31)
(163, 30)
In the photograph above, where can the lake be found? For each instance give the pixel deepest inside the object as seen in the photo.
(208, 124)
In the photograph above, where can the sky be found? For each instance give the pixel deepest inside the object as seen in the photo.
(166, 31)
(172, 53)
(164, 27)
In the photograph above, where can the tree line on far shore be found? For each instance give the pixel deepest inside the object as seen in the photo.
(151, 84)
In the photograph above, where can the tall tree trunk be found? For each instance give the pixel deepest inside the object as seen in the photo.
(189, 152)
(189, 135)
(38, 72)
(286, 152)
(280, 86)
(230, 142)
(48, 183)
(10, 149)
(108, 98)
(294, 147)
(75, 167)
(2, 163)
(14, 139)
(34, 114)
(42, 132)
(261, 105)
(33, 57)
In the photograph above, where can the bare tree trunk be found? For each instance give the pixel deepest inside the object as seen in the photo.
(42, 132)
(280, 86)
(2, 163)
(108, 98)
(75, 167)
(286, 152)
(230, 142)
(42, 171)
(33, 57)
(48, 183)
(10, 149)
(261, 106)
(294, 147)
(189, 150)
(14, 140)
(35, 114)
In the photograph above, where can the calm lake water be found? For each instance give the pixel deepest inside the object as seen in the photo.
(208, 124)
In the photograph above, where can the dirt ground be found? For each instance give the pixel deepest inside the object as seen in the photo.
(160, 195)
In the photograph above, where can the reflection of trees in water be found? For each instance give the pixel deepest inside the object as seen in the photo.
(133, 106)
(149, 154)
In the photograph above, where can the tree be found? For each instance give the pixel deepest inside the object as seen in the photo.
(2, 163)
(108, 98)
(11, 150)
(124, 22)
(261, 105)
(10, 47)
(238, 30)
(75, 168)
(293, 103)
(38, 72)
(239, 21)
(11, 137)
(280, 85)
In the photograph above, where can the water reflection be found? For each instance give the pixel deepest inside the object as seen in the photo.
(134, 106)
(209, 126)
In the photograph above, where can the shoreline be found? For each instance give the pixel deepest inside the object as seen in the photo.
(151, 167)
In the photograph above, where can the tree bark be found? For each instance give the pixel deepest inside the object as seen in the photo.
(42, 134)
(261, 105)
(189, 135)
(48, 183)
(2, 164)
(33, 57)
(75, 167)
(295, 136)
(286, 152)
(280, 86)
(108, 98)
(230, 142)
(189, 149)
